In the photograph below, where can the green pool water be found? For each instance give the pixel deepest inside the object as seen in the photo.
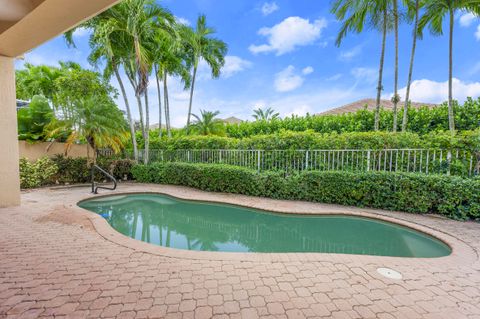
(182, 224)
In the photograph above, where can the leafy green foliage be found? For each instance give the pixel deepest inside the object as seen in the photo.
(454, 197)
(77, 170)
(422, 121)
(290, 140)
(208, 123)
(33, 119)
(37, 173)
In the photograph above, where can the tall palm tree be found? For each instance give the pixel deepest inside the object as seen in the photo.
(201, 45)
(170, 60)
(110, 47)
(413, 12)
(395, 98)
(435, 12)
(207, 123)
(355, 15)
(266, 114)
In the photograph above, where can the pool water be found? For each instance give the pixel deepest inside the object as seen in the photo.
(170, 222)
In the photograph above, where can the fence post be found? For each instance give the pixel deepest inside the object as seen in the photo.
(306, 160)
(258, 161)
(368, 160)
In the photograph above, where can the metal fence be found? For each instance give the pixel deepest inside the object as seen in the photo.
(391, 160)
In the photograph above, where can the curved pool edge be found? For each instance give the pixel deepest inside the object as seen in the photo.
(459, 249)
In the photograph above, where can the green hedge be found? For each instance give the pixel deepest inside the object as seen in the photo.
(467, 140)
(454, 197)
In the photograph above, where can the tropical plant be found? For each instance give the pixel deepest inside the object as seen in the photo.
(412, 13)
(207, 123)
(202, 46)
(96, 120)
(354, 17)
(266, 114)
(170, 60)
(435, 12)
(33, 119)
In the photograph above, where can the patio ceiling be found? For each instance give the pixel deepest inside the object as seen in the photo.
(25, 24)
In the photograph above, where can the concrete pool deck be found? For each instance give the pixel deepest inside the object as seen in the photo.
(58, 260)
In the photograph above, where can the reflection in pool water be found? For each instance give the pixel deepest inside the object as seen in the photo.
(170, 222)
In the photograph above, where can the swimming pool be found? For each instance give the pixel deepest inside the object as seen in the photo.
(170, 222)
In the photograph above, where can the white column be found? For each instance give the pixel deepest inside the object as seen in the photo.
(9, 174)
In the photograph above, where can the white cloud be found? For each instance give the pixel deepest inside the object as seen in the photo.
(182, 21)
(429, 91)
(300, 110)
(289, 34)
(307, 70)
(81, 32)
(286, 80)
(269, 8)
(367, 75)
(467, 19)
(350, 54)
(335, 77)
(477, 33)
(233, 65)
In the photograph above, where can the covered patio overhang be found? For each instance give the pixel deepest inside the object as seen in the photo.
(24, 25)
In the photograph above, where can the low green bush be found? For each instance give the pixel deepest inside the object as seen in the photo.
(77, 170)
(454, 197)
(37, 173)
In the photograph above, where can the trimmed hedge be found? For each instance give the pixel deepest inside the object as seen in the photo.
(454, 197)
(290, 140)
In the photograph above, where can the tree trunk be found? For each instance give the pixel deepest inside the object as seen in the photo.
(129, 113)
(133, 82)
(395, 86)
(159, 95)
(380, 71)
(147, 135)
(410, 69)
(451, 120)
(191, 96)
(167, 105)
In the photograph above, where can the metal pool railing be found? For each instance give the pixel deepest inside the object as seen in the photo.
(426, 161)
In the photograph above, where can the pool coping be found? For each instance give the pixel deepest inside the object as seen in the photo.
(461, 252)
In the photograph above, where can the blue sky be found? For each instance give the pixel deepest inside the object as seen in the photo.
(282, 54)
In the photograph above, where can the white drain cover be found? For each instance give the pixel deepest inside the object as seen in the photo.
(389, 273)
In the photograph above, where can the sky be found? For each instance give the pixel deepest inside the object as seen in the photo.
(282, 54)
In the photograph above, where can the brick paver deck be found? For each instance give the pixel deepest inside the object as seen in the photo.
(57, 260)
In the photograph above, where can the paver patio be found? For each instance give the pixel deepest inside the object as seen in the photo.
(57, 260)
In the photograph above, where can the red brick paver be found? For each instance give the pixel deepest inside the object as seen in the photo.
(54, 263)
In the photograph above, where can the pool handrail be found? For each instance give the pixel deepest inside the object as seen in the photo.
(101, 170)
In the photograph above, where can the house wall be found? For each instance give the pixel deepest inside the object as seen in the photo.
(34, 151)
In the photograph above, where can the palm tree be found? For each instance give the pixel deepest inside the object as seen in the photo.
(413, 10)
(201, 45)
(395, 98)
(96, 120)
(266, 114)
(170, 60)
(435, 12)
(207, 123)
(355, 15)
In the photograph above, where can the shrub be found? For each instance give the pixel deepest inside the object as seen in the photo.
(77, 170)
(37, 173)
(454, 197)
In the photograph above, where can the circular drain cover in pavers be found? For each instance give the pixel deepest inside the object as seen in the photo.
(389, 273)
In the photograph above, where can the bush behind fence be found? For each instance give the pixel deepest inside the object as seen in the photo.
(439, 161)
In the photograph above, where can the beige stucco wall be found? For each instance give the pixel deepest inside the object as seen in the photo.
(9, 174)
(33, 151)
